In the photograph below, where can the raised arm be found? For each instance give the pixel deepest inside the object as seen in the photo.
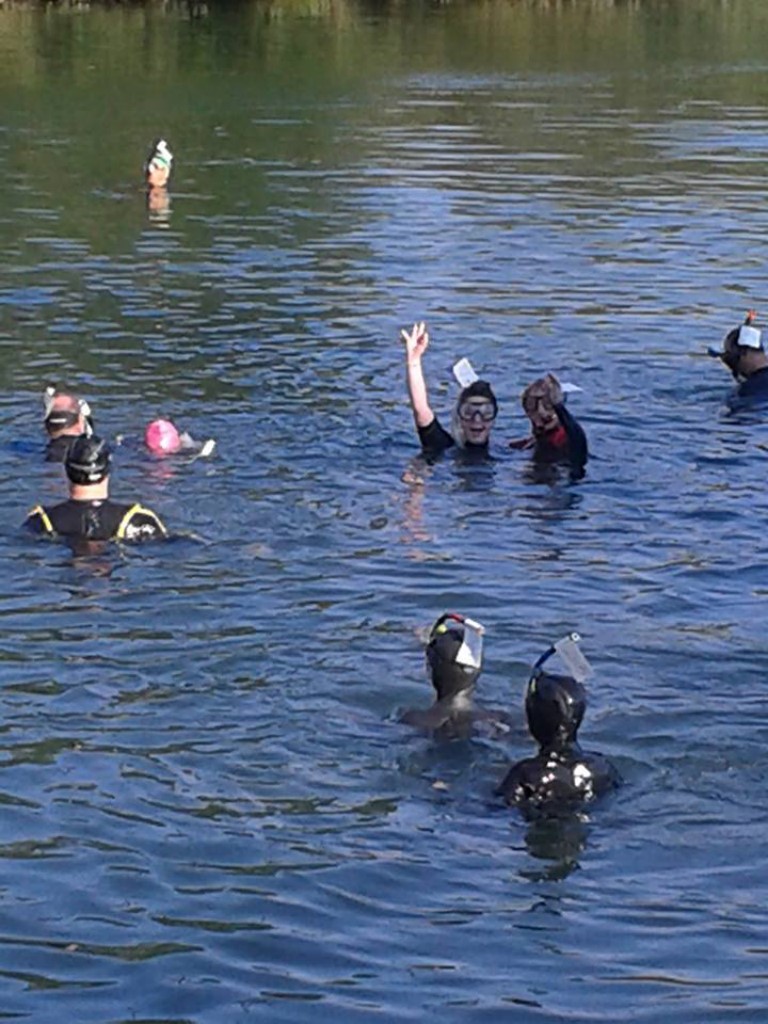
(416, 343)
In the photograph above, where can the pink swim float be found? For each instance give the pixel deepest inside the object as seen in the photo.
(162, 438)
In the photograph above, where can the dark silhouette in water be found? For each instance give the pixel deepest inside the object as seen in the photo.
(454, 660)
(562, 775)
(744, 355)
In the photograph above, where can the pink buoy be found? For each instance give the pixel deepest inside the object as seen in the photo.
(162, 438)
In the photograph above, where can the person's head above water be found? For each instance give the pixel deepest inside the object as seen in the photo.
(476, 410)
(561, 775)
(555, 704)
(454, 655)
(554, 707)
(88, 463)
(158, 165)
(539, 401)
(65, 415)
(162, 437)
(743, 351)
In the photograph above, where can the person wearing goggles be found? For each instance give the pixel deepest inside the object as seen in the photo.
(556, 436)
(65, 418)
(561, 776)
(744, 355)
(89, 514)
(476, 408)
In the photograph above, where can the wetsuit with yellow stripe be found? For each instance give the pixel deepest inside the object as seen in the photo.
(96, 520)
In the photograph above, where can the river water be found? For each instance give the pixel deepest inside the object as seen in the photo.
(210, 812)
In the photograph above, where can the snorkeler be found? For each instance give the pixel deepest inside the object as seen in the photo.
(454, 657)
(157, 173)
(476, 408)
(65, 418)
(562, 775)
(555, 436)
(163, 438)
(744, 355)
(158, 165)
(89, 514)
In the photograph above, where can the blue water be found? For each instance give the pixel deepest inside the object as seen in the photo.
(210, 812)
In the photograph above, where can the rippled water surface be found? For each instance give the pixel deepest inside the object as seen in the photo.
(209, 811)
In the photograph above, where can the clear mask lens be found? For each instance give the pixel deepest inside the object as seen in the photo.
(469, 411)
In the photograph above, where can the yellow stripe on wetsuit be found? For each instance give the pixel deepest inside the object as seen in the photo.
(137, 509)
(38, 510)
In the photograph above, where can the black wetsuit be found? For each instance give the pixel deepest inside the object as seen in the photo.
(562, 775)
(96, 520)
(558, 779)
(566, 443)
(752, 391)
(57, 448)
(436, 439)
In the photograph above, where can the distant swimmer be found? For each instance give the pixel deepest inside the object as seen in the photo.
(561, 776)
(476, 408)
(89, 514)
(157, 174)
(454, 660)
(162, 438)
(65, 418)
(556, 436)
(158, 165)
(744, 355)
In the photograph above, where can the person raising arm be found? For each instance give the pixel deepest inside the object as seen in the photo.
(476, 408)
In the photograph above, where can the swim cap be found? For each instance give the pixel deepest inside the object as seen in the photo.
(88, 460)
(454, 654)
(554, 707)
(162, 437)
